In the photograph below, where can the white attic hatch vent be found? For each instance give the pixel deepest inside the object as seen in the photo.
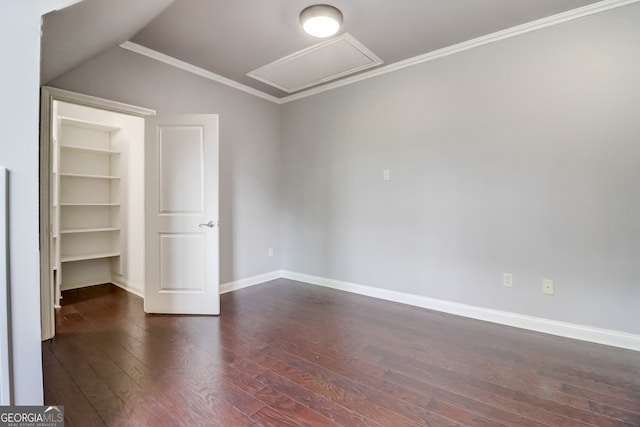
(317, 64)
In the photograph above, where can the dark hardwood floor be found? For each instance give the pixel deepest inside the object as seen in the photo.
(289, 354)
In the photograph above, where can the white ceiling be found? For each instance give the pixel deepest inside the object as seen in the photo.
(234, 37)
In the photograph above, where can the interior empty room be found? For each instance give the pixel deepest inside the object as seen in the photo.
(427, 215)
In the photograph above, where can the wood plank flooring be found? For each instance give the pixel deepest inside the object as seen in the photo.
(289, 354)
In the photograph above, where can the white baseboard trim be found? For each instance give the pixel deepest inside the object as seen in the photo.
(68, 286)
(120, 282)
(553, 327)
(128, 285)
(249, 281)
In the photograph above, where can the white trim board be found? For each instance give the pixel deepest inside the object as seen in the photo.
(63, 95)
(122, 283)
(528, 27)
(138, 289)
(537, 324)
(553, 327)
(175, 62)
(84, 283)
(129, 286)
(249, 281)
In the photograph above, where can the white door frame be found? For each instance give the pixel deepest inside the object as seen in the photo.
(48, 95)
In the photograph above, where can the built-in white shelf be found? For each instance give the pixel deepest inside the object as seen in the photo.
(89, 230)
(87, 191)
(90, 204)
(87, 256)
(89, 150)
(81, 175)
(68, 121)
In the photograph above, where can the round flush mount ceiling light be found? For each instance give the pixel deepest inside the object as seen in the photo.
(321, 20)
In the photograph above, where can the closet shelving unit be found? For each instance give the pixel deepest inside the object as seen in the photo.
(86, 207)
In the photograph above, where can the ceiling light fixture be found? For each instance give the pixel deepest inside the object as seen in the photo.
(321, 20)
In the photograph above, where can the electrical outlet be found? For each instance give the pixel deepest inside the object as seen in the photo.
(507, 279)
(547, 286)
(386, 175)
(270, 252)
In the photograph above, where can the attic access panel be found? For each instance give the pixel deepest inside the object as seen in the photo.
(317, 64)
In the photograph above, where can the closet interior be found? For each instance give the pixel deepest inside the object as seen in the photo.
(97, 197)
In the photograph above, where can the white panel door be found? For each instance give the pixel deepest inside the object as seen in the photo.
(181, 202)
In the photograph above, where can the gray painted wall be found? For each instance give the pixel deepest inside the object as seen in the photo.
(592, 259)
(519, 157)
(249, 147)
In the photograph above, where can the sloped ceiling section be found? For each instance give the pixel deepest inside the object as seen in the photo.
(78, 33)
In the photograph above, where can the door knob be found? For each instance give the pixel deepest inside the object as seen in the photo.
(209, 224)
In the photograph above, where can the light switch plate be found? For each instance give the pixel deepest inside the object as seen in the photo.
(507, 279)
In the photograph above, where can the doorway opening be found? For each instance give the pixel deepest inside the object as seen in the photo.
(97, 222)
(91, 196)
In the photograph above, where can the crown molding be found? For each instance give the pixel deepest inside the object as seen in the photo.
(170, 60)
(528, 27)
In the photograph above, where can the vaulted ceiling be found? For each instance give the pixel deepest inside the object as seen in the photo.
(76, 34)
(233, 38)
